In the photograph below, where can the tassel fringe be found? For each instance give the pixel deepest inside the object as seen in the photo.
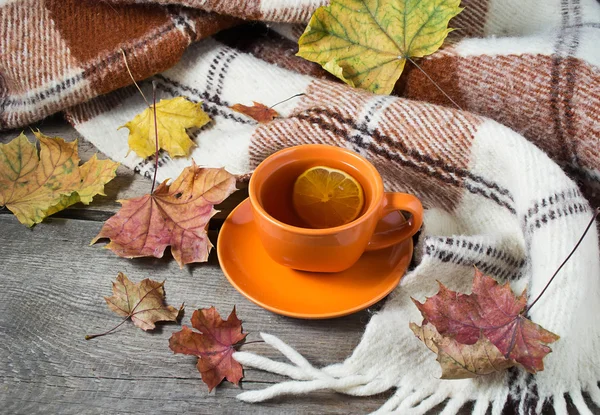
(406, 399)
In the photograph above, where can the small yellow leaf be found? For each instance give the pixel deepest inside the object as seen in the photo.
(366, 43)
(33, 188)
(173, 117)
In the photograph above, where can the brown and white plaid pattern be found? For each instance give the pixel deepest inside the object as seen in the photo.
(58, 53)
(552, 100)
(493, 199)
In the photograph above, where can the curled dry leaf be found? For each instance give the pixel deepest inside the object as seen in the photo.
(492, 310)
(460, 361)
(257, 111)
(143, 302)
(173, 116)
(35, 187)
(214, 345)
(366, 43)
(175, 215)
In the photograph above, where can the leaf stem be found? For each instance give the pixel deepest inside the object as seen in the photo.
(287, 99)
(132, 78)
(240, 344)
(434, 83)
(155, 135)
(92, 336)
(597, 211)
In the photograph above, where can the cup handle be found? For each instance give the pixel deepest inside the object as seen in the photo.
(394, 202)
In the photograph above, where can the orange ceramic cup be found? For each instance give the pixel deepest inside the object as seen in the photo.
(332, 249)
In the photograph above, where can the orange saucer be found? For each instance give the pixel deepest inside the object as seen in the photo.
(301, 294)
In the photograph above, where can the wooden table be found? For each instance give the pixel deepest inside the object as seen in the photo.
(52, 287)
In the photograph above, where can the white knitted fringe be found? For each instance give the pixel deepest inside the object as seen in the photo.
(406, 399)
(307, 378)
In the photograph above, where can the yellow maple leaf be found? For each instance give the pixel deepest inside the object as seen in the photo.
(33, 188)
(173, 117)
(366, 43)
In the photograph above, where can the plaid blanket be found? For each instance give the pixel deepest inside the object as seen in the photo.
(506, 180)
(58, 53)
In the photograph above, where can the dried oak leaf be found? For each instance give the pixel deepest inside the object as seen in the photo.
(492, 310)
(460, 361)
(213, 345)
(175, 215)
(143, 302)
(35, 187)
(173, 116)
(257, 111)
(366, 43)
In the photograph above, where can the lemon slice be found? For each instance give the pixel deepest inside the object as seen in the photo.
(324, 197)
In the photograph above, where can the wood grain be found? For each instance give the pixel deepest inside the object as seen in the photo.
(52, 283)
(52, 289)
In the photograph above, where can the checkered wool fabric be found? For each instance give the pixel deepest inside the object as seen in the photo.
(526, 75)
(288, 11)
(58, 53)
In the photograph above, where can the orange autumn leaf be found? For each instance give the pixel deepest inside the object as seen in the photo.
(214, 345)
(34, 187)
(174, 215)
(142, 302)
(257, 111)
(491, 310)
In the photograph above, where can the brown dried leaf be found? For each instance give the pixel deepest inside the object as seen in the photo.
(213, 345)
(143, 302)
(258, 111)
(461, 361)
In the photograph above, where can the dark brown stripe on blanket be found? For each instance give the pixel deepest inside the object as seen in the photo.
(83, 25)
(77, 55)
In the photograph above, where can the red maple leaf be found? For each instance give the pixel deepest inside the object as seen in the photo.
(213, 345)
(494, 311)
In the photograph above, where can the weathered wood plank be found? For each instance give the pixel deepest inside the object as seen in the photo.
(52, 284)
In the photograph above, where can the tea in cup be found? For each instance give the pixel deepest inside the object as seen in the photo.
(287, 238)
